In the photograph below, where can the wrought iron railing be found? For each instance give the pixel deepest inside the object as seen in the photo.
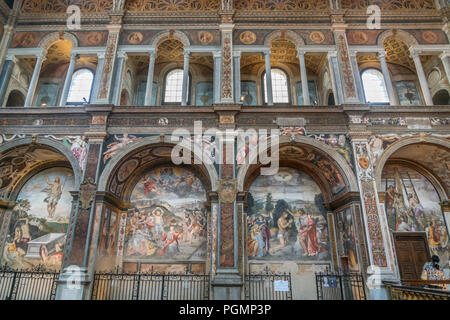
(268, 286)
(34, 284)
(150, 286)
(340, 286)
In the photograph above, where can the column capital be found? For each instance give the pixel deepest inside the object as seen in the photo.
(101, 55)
(444, 54)
(122, 54)
(415, 53)
(267, 52)
(332, 54)
(352, 53)
(152, 53)
(11, 57)
(186, 53)
(237, 54)
(381, 54)
(74, 55)
(301, 52)
(217, 54)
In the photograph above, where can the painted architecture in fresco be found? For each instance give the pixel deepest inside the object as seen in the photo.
(38, 227)
(286, 219)
(168, 221)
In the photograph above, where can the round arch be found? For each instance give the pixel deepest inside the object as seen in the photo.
(15, 99)
(162, 36)
(147, 142)
(287, 34)
(406, 37)
(342, 164)
(48, 40)
(5, 147)
(379, 166)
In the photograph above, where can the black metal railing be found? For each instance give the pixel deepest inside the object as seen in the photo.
(33, 284)
(150, 286)
(339, 286)
(268, 286)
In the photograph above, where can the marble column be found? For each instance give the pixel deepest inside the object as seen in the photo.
(357, 75)
(268, 79)
(68, 81)
(445, 57)
(387, 79)
(117, 87)
(237, 77)
(97, 77)
(185, 89)
(422, 78)
(217, 66)
(34, 79)
(304, 75)
(151, 71)
(335, 78)
(5, 76)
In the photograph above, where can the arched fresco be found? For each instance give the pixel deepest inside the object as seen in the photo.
(38, 225)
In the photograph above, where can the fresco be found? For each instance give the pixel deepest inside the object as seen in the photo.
(204, 94)
(248, 91)
(312, 93)
(286, 219)
(346, 240)
(38, 226)
(412, 205)
(168, 219)
(407, 93)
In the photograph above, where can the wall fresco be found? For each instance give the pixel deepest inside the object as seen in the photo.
(346, 240)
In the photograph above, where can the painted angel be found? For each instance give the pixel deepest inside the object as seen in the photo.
(114, 147)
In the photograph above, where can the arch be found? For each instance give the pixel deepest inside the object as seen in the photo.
(406, 37)
(285, 34)
(5, 147)
(181, 36)
(48, 40)
(124, 98)
(381, 162)
(330, 98)
(441, 97)
(148, 141)
(342, 164)
(15, 99)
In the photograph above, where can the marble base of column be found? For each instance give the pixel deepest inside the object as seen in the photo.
(72, 284)
(227, 285)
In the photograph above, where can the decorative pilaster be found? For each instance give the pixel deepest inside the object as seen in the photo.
(415, 54)
(68, 81)
(387, 79)
(35, 78)
(151, 71)
(217, 68)
(185, 89)
(305, 87)
(227, 94)
(269, 87)
(104, 94)
(5, 76)
(346, 71)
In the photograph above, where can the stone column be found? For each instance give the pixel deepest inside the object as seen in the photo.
(185, 89)
(117, 87)
(445, 56)
(237, 77)
(5, 76)
(387, 79)
(268, 79)
(304, 75)
(97, 77)
(357, 75)
(422, 78)
(217, 66)
(105, 85)
(34, 80)
(151, 71)
(335, 77)
(68, 81)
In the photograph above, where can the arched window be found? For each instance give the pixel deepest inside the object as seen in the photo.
(280, 88)
(173, 88)
(81, 87)
(374, 86)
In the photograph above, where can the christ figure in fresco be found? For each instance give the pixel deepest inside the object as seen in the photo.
(308, 235)
(54, 192)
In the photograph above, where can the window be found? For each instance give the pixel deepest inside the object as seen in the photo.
(280, 89)
(174, 86)
(81, 86)
(374, 86)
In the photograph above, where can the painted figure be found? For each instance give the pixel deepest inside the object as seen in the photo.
(54, 192)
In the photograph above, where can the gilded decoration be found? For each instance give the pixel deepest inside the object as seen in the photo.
(135, 38)
(205, 37)
(172, 5)
(281, 5)
(389, 4)
(317, 37)
(397, 52)
(60, 6)
(429, 36)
